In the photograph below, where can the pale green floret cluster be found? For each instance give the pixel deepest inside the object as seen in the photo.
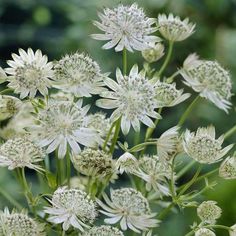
(227, 168)
(103, 230)
(154, 52)
(209, 212)
(204, 232)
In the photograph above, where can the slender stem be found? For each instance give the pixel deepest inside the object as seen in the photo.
(63, 233)
(172, 181)
(165, 211)
(10, 199)
(108, 136)
(219, 227)
(124, 61)
(167, 59)
(187, 112)
(68, 168)
(8, 90)
(185, 169)
(171, 78)
(116, 134)
(230, 132)
(141, 145)
(60, 172)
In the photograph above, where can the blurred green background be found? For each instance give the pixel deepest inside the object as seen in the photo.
(58, 27)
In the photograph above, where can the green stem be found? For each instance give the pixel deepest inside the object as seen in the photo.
(164, 212)
(124, 61)
(8, 90)
(230, 132)
(108, 136)
(68, 168)
(167, 59)
(116, 134)
(219, 227)
(187, 112)
(10, 199)
(185, 169)
(171, 78)
(133, 149)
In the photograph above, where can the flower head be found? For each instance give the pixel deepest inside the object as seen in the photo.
(127, 163)
(154, 52)
(203, 146)
(155, 172)
(209, 212)
(204, 232)
(3, 75)
(17, 224)
(9, 106)
(103, 230)
(233, 231)
(173, 28)
(227, 168)
(71, 207)
(64, 123)
(168, 95)
(130, 208)
(20, 153)
(95, 163)
(78, 74)
(134, 98)
(126, 27)
(210, 80)
(29, 72)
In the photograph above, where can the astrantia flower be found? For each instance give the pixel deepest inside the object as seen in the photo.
(103, 230)
(209, 212)
(95, 163)
(126, 27)
(29, 72)
(9, 106)
(71, 207)
(227, 168)
(233, 231)
(168, 95)
(19, 224)
(21, 152)
(130, 208)
(127, 163)
(203, 146)
(168, 142)
(155, 172)
(64, 123)
(204, 232)
(78, 74)
(173, 28)
(154, 52)
(3, 75)
(134, 98)
(211, 81)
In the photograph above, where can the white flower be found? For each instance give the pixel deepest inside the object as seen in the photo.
(62, 123)
(167, 143)
(204, 232)
(3, 75)
(103, 230)
(191, 61)
(203, 146)
(173, 28)
(134, 98)
(210, 80)
(130, 208)
(155, 172)
(127, 163)
(71, 207)
(19, 224)
(20, 153)
(154, 52)
(9, 106)
(29, 72)
(94, 163)
(78, 74)
(168, 95)
(209, 212)
(126, 27)
(233, 231)
(227, 168)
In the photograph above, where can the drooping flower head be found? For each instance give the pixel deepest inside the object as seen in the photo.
(9, 106)
(71, 207)
(95, 163)
(21, 152)
(210, 80)
(130, 208)
(17, 224)
(227, 168)
(168, 95)
(154, 52)
(64, 123)
(103, 230)
(204, 232)
(79, 75)
(29, 72)
(126, 27)
(127, 163)
(209, 212)
(173, 28)
(203, 146)
(134, 98)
